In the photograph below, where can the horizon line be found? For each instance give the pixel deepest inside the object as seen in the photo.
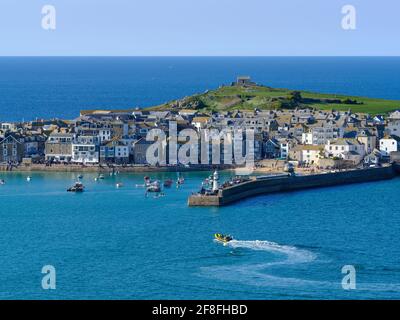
(199, 56)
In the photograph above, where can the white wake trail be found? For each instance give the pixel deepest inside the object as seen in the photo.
(293, 254)
(254, 274)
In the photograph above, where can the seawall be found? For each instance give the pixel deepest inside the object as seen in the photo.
(285, 183)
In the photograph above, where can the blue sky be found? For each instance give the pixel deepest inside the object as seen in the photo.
(200, 28)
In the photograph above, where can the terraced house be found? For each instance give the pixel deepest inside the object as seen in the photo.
(58, 147)
(85, 149)
(12, 148)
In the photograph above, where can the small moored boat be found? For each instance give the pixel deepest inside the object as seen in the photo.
(77, 187)
(2, 182)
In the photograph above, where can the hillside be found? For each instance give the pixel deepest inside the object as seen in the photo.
(250, 97)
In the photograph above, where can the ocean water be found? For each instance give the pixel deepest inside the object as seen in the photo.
(110, 243)
(59, 87)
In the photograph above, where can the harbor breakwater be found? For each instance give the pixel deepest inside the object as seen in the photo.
(285, 183)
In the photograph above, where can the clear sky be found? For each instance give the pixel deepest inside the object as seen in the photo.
(199, 27)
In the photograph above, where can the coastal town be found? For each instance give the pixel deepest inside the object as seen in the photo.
(309, 138)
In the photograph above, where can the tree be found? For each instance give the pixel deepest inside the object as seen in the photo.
(295, 96)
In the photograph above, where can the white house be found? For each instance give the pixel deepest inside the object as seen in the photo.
(348, 149)
(104, 134)
(307, 138)
(86, 149)
(306, 154)
(389, 144)
(284, 146)
(7, 126)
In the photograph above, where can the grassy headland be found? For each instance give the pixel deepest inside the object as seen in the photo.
(229, 98)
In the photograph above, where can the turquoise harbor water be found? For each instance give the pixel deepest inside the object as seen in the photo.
(110, 243)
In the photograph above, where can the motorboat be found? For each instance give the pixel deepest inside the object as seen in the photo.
(223, 238)
(77, 187)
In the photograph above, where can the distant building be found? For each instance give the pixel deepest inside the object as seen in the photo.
(389, 144)
(321, 135)
(114, 151)
(306, 154)
(200, 122)
(347, 149)
(58, 147)
(85, 149)
(244, 81)
(139, 150)
(12, 148)
(121, 153)
(367, 139)
(284, 147)
(393, 125)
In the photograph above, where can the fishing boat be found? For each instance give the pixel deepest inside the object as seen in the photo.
(168, 183)
(223, 238)
(28, 178)
(101, 176)
(77, 187)
(119, 184)
(80, 176)
(2, 182)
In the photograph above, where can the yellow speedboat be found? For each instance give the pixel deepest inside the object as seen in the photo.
(223, 238)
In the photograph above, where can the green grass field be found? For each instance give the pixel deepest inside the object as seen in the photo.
(265, 98)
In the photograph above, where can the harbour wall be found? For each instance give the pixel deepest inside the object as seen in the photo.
(285, 183)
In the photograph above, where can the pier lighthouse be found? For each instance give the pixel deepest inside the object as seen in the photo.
(215, 185)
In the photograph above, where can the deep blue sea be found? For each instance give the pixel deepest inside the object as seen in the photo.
(110, 243)
(60, 87)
